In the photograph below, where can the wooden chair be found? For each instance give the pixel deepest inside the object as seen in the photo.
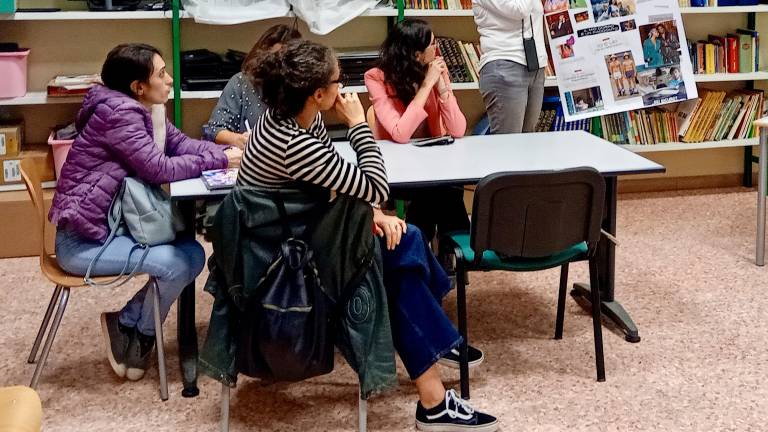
(20, 409)
(64, 282)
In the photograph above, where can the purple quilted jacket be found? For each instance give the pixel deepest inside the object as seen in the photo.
(115, 141)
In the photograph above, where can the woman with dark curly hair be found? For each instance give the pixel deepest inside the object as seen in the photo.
(240, 101)
(290, 145)
(412, 98)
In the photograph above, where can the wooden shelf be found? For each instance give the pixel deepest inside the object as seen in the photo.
(21, 187)
(376, 12)
(88, 15)
(723, 9)
(40, 98)
(720, 77)
(680, 146)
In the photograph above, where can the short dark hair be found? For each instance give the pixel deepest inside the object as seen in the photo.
(292, 74)
(277, 34)
(127, 63)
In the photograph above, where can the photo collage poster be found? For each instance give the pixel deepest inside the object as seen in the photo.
(618, 55)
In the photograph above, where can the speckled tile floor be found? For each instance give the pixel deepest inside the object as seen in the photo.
(685, 272)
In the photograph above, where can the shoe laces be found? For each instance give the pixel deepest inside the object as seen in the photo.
(451, 396)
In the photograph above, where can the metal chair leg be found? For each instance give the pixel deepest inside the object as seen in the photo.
(63, 299)
(159, 340)
(461, 300)
(362, 412)
(596, 319)
(561, 301)
(224, 423)
(44, 324)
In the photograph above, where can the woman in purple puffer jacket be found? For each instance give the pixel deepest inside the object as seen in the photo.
(117, 140)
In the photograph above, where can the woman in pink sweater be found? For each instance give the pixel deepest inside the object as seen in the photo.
(412, 98)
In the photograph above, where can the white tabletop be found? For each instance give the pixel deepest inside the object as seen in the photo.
(469, 159)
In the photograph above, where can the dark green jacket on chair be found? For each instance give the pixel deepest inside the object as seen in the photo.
(246, 234)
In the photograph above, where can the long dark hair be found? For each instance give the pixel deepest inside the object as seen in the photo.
(398, 57)
(127, 63)
(292, 74)
(277, 34)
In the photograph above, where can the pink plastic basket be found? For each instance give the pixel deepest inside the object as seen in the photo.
(13, 69)
(60, 150)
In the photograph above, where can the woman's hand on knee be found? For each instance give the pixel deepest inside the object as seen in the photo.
(390, 227)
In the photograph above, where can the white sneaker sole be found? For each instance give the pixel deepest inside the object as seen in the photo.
(455, 365)
(117, 367)
(448, 427)
(133, 374)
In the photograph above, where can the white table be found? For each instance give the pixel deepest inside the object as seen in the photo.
(466, 161)
(471, 158)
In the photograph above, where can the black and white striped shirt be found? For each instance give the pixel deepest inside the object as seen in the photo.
(280, 151)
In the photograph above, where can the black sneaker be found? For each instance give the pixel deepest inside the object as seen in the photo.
(451, 359)
(139, 354)
(117, 337)
(453, 414)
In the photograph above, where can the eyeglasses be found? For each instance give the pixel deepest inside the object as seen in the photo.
(342, 81)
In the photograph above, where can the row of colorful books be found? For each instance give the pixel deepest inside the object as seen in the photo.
(641, 127)
(712, 3)
(737, 52)
(438, 4)
(717, 115)
(552, 118)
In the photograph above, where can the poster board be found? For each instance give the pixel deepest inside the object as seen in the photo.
(618, 55)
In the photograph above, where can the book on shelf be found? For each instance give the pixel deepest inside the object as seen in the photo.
(72, 85)
(733, 53)
(552, 119)
(461, 58)
(715, 116)
(438, 4)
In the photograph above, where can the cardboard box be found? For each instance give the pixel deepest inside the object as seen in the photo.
(20, 228)
(10, 139)
(10, 166)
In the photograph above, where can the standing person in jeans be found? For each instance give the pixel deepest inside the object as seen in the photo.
(512, 93)
(115, 141)
(412, 98)
(290, 146)
(240, 101)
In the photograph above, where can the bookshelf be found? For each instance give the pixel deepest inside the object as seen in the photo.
(447, 22)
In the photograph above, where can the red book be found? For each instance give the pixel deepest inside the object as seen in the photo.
(732, 54)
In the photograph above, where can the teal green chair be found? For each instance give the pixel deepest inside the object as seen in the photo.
(528, 222)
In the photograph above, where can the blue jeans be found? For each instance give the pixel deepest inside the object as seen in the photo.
(173, 265)
(416, 284)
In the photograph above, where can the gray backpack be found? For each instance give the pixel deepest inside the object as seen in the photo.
(148, 215)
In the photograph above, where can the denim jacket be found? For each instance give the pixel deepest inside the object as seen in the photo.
(246, 233)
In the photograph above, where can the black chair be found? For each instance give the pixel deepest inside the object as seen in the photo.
(528, 222)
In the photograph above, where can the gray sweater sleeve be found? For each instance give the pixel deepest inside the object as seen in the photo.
(227, 114)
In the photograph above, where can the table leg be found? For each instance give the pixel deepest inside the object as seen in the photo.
(187, 333)
(606, 256)
(761, 186)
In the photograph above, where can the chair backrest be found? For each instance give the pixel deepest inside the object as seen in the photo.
(31, 176)
(536, 214)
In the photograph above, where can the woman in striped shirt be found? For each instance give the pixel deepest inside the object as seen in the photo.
(290, 145)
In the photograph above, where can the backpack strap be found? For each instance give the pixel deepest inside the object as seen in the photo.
(116, 213)
(287, 232)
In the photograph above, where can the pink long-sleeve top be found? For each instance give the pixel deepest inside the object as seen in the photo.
(397, 122)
